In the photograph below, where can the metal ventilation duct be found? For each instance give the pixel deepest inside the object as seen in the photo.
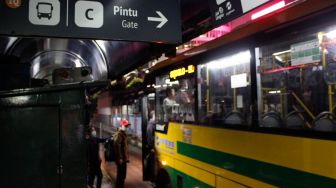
(108, 59)
(45, 55)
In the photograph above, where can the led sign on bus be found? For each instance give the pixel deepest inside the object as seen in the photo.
(181, 71)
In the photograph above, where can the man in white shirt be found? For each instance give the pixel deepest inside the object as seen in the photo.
(169, 105)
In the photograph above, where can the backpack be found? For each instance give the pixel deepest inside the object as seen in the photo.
(109, 149)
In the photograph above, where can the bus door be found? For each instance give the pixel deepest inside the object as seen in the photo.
(148, 122)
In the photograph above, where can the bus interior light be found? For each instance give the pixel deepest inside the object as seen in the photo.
(282, 52)
(331, 34)
(274, 92)
(268, 10)
(234, 60)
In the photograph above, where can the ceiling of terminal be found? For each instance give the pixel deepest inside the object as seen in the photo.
(108, 59)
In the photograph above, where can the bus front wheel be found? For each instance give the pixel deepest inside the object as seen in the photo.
(163, 179)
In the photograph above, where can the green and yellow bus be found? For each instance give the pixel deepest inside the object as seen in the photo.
(254, 107)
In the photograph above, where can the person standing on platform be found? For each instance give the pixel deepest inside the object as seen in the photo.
(94, 160)
(150, 151)
(121, 153)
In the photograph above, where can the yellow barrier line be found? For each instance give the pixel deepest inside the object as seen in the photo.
(303, 105)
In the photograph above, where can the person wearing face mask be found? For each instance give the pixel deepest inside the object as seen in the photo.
(94, 160)
(121, 153)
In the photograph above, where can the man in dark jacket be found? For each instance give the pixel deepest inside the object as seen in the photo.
(94, 159)
(121, 152)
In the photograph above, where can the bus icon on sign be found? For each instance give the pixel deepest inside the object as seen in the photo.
(44, 10)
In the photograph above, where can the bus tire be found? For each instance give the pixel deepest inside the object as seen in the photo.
(163, 179)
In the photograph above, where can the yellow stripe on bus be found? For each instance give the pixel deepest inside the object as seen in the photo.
(293, 152)
(196, 173)
(224, 173)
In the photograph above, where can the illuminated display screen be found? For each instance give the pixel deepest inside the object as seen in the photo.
(181, 71)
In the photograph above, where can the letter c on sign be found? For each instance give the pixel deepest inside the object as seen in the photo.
(87, 14)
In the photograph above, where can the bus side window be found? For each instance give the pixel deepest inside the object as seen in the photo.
(224, 92)
(306, 94)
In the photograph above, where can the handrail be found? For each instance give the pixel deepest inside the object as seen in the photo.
(330, 98)
(303, 105)
(301, 116)
(330, 92)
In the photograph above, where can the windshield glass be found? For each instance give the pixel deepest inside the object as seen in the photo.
(44, 8)
(175, 99)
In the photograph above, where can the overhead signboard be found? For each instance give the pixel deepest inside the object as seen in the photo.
(132, 20)
(223, 11)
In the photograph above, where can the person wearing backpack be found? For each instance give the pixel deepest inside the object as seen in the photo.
(109, 150)
(121, 153)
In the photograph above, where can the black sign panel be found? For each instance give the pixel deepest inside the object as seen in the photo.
(134, 20)
(223, 11)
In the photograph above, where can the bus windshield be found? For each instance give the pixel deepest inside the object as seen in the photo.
(175, 99)
(44, 7)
